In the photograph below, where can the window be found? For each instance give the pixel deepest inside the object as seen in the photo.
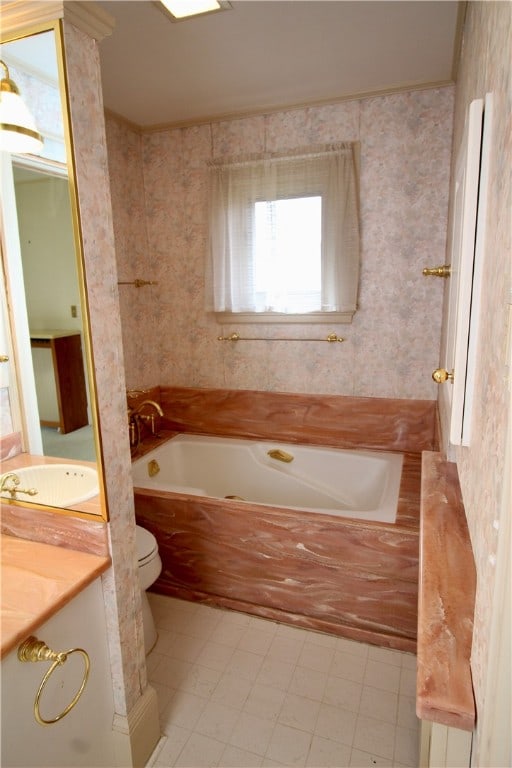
(284, 237)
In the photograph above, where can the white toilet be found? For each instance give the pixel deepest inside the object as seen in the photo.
(150, 567)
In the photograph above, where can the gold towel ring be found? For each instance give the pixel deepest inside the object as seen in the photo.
(33, 649)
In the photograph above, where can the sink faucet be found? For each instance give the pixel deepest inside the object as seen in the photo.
(10, 482)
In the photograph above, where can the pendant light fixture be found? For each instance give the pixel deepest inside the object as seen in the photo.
(18, 132)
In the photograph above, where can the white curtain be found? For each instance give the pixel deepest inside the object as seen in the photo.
(254, 195)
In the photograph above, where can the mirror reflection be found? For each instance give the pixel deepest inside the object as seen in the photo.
(50, 390)
(54, 312)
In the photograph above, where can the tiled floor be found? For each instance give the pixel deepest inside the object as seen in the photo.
(240, 691)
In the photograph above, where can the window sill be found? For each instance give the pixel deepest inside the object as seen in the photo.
(327, 318)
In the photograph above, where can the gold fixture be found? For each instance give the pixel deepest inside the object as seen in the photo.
(440, 375)
(280, 455)
(10, 482)
(153, 468)
(135, 417)
(137, 283)
(235, 336)
(444, 271)
(33, 649)
(18, 132)
(4, 358)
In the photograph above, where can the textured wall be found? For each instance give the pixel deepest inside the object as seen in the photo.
(486, 67)
(121, 582)
(393, 343)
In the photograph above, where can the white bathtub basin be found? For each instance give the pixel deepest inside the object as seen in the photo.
(57, 485)
(360, 484)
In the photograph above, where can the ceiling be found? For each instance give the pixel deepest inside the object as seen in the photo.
(268, 54)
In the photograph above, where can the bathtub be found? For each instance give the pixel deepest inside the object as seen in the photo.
(343, 483)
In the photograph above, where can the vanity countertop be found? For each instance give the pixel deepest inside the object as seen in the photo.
(37, 580)
(446, 600)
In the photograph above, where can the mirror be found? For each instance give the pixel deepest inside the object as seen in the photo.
(51, 384)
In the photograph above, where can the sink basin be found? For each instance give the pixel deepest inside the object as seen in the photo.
(58, 485)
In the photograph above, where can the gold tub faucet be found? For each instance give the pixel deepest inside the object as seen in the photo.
(280, 455)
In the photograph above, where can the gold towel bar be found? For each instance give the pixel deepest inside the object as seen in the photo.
(236, 337)
(137, 283)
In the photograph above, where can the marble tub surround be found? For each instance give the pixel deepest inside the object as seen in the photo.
(37, 581)
(349, 578)
(332, 420)
(446, 600)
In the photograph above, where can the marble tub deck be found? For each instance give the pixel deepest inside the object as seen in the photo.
(350, 578)
(345, 577)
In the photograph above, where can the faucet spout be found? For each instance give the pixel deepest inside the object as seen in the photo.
(153, 404)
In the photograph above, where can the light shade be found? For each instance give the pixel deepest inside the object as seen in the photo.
(183, 9)
(18, 132)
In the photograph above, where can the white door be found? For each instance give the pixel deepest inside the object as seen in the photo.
(22, 390)
(468, 224)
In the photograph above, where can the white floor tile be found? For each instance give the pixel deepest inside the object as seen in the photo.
(336, 724)
(309, 683)
(408, 682)
(407, 712)
(348, 666)
(275, 673)
(215, 656)
(252, 733)
(237, 691)
(360, 759)
(199, 680)
(244, 664)
(299, 712)
(175, 741)
(200, 752)
(231, 691)
(183, 710)
(407, 746)
(233, 757)
(217, 721)
(185, 647)
(327, 754)
(343, 693)
(352, 647)
(383, 676)
(256, 641)
(385, 655)
(264, 701)
(289, 746)
(374, 736)
(313, 656)
(382, 705)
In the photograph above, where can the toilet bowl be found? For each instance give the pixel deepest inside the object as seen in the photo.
(150, 567)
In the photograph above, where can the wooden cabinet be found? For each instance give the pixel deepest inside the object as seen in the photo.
(60, 379)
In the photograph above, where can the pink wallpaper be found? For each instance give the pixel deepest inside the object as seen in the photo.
(393, 343)
(486, 67)
(121, 582)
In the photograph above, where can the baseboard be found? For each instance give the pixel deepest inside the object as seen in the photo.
(137, 734)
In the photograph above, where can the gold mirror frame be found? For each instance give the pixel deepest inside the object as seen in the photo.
(55, 27)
